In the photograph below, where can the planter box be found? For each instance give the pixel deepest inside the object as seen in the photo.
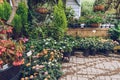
(88, 32)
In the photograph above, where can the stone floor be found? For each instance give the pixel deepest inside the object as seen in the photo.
(92, 68)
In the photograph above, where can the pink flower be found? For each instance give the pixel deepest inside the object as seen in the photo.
(19, 54)
(24, 40)
(3, 49)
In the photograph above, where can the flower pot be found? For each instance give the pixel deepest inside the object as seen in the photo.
(99, 8)
(93, 52)
(107, 52)
(11, 73)
(94, 25)
(66, 56)
(86, 52)
(42, 10)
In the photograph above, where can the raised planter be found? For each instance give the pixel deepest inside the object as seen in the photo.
(11, 73)
(88, 32)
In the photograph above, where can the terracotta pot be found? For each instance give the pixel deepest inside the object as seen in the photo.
(95, 25)
(42, 10)
(99, 8)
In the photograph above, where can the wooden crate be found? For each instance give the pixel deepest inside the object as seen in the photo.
(88, 32)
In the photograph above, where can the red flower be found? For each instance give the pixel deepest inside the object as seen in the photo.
(3, 32)
(0, 53)
(24, 40)
(1, 62)
(18, 62)
(3, 41)
(3, 49)
(19, 54)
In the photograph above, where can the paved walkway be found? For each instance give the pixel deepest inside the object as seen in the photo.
(92, 68)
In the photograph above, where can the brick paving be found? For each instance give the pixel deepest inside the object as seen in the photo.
(92, 68)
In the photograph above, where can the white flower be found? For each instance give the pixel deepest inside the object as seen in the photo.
(29, 53)
(55, 42)
(46, 43)
(63, 46)
(49, 63)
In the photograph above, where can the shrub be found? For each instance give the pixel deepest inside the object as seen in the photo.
(59, 20)
(115, 32)
(5, 10)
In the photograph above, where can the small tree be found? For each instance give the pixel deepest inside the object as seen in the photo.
(5, 10)
(59, 20)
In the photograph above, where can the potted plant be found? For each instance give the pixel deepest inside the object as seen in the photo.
(82, 21)
(42, 9)
(99, 5)
(10, 58)
(94, 21)
(108, 46)
(94, 46)
(66, 49)
(85, 44)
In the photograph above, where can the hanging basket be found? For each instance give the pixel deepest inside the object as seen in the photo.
(99, 8)
(42, 10)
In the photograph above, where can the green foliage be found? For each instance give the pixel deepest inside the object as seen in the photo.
(17, 23)
(95, 18)
(23, 12)
(87, 7)
(115, 32)
(5, 10)
(20, 21)
(108, 45)
(91, 43)
(82, 19)
(69, 14)
(59, 20)
(99, 2)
